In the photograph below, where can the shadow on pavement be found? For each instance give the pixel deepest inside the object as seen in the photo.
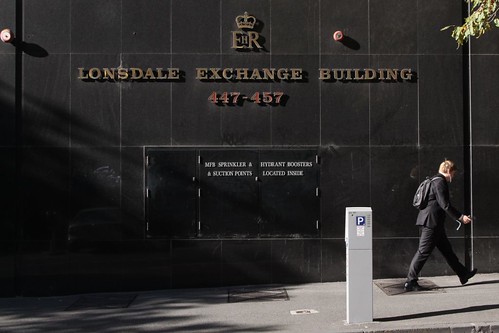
(440, 313)
(472, 284)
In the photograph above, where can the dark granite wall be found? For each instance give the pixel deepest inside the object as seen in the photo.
(74, 152)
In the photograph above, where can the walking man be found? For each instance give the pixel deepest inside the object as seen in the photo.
(431, 222)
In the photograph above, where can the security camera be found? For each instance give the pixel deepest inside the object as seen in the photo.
(7, 36)
(338, 36)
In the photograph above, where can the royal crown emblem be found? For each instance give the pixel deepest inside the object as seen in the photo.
(246, 38)
(245, 21)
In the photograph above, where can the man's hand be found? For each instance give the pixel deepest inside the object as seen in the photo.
(466, 219)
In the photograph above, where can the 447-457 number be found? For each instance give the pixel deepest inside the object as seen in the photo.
(236, 98)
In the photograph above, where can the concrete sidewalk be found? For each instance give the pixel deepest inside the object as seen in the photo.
(450, 308)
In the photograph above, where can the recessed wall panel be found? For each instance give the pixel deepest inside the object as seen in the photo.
(289, 187)
(172, 190)
(228, 193)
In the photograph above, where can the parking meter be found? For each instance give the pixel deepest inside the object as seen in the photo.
(359, 264)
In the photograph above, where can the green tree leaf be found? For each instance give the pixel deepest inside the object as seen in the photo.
(483, 13)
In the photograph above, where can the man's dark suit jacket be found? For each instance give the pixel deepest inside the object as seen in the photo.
(433, 215)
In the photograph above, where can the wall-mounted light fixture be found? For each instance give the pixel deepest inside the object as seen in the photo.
(338, 36)
(7, 36)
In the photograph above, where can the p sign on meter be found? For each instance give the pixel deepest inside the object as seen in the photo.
(360, 222)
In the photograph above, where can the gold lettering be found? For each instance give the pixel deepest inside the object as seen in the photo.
(253, 39)
(108, 73)
(336, 76)
(82, 75)
(94, 73)
(296, 74)
(227, 73)
(149, 74)
(269, 73)
(160, 75)
(392, 74)
(349, 74)
(174, 73)
(255, 75)
(201, 73)
(115, 74)
(324, 74)
(242, 73)
(382, 74)
(236, 40)
(357, 75)
(214, 74)
(137, 73)
(282, 74)
(122, 73)
(406, 74)
(370, 74)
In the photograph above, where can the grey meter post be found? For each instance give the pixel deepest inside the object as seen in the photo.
(359, 264)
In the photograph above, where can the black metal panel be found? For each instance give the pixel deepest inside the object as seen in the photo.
(172, 190)
(9, 201)
(289, 181)
(195, 26)
(194, 120)
(440, 100)
(132, 187)
(388, 34)
(298, 260)
(196, 263)
(47, 34)
(8, 268)
(146, 28)
(146, 116)
(246, 123)
(7, 99)
(8, 19)
(344, 182)
(352, 18)
(95, 26)
(345, 106)
(486, 184)
(95, 108)
(430, 39)
(246, 262)
(394, 173)
(485, 99)
(229, 193)
(44, 195)
(46, 118)
(300, 20)
(393, 107)
(289, 126)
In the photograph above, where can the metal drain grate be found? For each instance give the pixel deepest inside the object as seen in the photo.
(257, 295)
(396, 286)
(89, 302)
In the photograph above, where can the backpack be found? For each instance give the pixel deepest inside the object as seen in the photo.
(420, 200)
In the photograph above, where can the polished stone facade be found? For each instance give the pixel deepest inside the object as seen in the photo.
(75, 152)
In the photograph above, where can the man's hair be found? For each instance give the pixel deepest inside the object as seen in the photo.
(447, 166)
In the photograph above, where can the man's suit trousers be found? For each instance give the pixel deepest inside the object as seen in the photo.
(429, 239)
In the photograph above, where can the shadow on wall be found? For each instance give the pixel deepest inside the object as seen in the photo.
(30, 49)
(44, 168)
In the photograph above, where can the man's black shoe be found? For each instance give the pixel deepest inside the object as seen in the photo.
(467, 276)
(413, 286)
